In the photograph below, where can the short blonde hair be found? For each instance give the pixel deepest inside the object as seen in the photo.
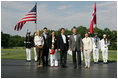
(37, 32)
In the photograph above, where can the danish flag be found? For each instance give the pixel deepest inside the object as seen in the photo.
(93, 21)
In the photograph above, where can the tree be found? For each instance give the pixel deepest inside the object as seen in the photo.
(4, 40)
(16, 41)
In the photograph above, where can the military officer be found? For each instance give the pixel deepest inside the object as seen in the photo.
(28, 44)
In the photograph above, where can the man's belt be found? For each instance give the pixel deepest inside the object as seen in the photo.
(65, 43)
(96, 47)
(105, 47)
(86, 50)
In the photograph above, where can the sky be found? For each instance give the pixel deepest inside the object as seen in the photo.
(57, 14)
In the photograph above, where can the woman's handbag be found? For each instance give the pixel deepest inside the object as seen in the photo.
(52, 51)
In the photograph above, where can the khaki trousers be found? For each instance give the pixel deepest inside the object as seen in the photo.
(39, 55)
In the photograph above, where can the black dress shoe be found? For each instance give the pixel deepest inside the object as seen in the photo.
(95, 62)
(106, 63)
(75, 67)
(62, 66)
(65, 66)
(46, 65)
(79, 67)
(28, 60)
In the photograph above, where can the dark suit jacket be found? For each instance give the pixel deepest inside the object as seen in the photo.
(60, 44)
(50, 42)
(46, 46)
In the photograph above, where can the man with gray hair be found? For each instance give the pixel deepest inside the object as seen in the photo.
(75, 45)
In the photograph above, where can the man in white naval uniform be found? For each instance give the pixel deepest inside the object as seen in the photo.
(104, 48)
(96, 46)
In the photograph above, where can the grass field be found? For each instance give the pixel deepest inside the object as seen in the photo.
(19, 53)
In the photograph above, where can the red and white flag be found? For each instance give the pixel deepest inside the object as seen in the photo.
(31, 16)
(93, 21)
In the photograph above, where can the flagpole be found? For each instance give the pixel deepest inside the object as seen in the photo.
(96, 19)
(35, 27)
(36, 19)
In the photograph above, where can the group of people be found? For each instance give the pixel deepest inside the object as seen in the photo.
(46, 45)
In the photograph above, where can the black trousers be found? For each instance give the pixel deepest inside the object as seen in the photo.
(45, 56)
(78, 55)
(63, 56)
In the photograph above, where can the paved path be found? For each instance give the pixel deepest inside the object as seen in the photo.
(23, 69)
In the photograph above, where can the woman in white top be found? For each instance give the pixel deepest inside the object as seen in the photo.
(39, 42)
(87, 47)
(53, 50)
(35, 54)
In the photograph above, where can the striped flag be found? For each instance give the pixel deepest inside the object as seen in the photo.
(31, 16)
(93, 21)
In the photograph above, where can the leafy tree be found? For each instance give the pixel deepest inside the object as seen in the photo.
(18, 41)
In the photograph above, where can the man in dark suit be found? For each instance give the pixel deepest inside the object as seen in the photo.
(45, 47)
(75, 45)
(63, 47)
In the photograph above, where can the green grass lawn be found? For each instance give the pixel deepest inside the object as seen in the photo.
(20, 53)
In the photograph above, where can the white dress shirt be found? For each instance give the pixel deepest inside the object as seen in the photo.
(38, 40)
(53, 40)
(45, 35)
(75, 36)
(64, 38)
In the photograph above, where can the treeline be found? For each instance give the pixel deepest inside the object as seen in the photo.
(18, 41)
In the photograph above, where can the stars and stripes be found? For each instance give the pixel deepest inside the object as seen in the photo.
(93, 21)
(31, 16)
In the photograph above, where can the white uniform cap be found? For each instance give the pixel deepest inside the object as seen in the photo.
(104, 34)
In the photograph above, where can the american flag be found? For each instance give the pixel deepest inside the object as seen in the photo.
(93, 21)
(31, 16)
